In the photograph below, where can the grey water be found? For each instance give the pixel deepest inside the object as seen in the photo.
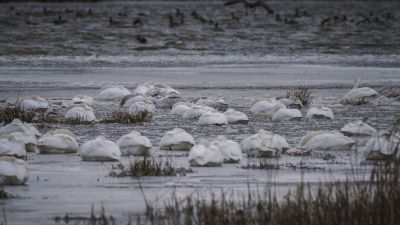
(251, 55)
(359, 33)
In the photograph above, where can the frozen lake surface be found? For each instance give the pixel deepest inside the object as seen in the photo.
(254, 57)
(60, 184)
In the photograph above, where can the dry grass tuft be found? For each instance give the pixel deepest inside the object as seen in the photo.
(3, 193)
(102, 219)
(10, 112)
(121, 116)
(303, 93)
(263, 164)
(360, 101)
(148, 167)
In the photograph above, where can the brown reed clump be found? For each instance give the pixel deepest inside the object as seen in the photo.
(303, 93)
(148, 166)
(10, 112)
(360, 101)
(101, 219)
(121, 116)
(262, 164)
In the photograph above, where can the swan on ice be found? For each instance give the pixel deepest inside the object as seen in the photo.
(326, 140)
(213, 118)
(34, 103)
(230, 149)
(236, 117)
(113, 92)
(21, 132)
(100, 149)
(13, 171)
(81, 113)
(134, 144)
(79, 99)
(320, 113)
(358, 128)
(205, 154)
(177, 139)
(57, 142)
(264, 144)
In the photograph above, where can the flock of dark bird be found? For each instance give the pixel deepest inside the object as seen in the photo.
(178, 18)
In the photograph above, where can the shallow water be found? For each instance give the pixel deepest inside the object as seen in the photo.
(30, 37)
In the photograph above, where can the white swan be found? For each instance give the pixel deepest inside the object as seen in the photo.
(230, 149)
(205, 154)
(213, 118)
(100, 149)
(326, 140)
(358, 128)
(177, 139)
(291, 103)
(57, 142)
(359, 94)
(13, 171)
(216, 103)
(287, 114)
(281, 113)
(126, 103)
(81, 113)
(168, 101)
(236, 117)
(34, 103)
(196, 111)
(377, 148)
(382, 146)
(141, 107)
(180, 110)
(182, 103)
(21, 132)
(60, 131)
(87, 100)
(113, 93)
(264, 144)
(263, 106)
(162, 90)
(142, 89)
(11, 147)
(320, 113)
(134, 144)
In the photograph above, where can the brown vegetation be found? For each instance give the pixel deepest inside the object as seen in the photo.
(121, 116)
(303, 93)
(148, 167)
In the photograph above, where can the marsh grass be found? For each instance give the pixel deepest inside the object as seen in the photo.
(262, 164)
(3, 193)
(360, 101)
(375, 201)
(121, 116)
(303, 93)
(148, 166)
(77, 121)
(93, 219)
(10, 112)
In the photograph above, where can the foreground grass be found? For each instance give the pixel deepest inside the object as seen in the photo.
(374, 202)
